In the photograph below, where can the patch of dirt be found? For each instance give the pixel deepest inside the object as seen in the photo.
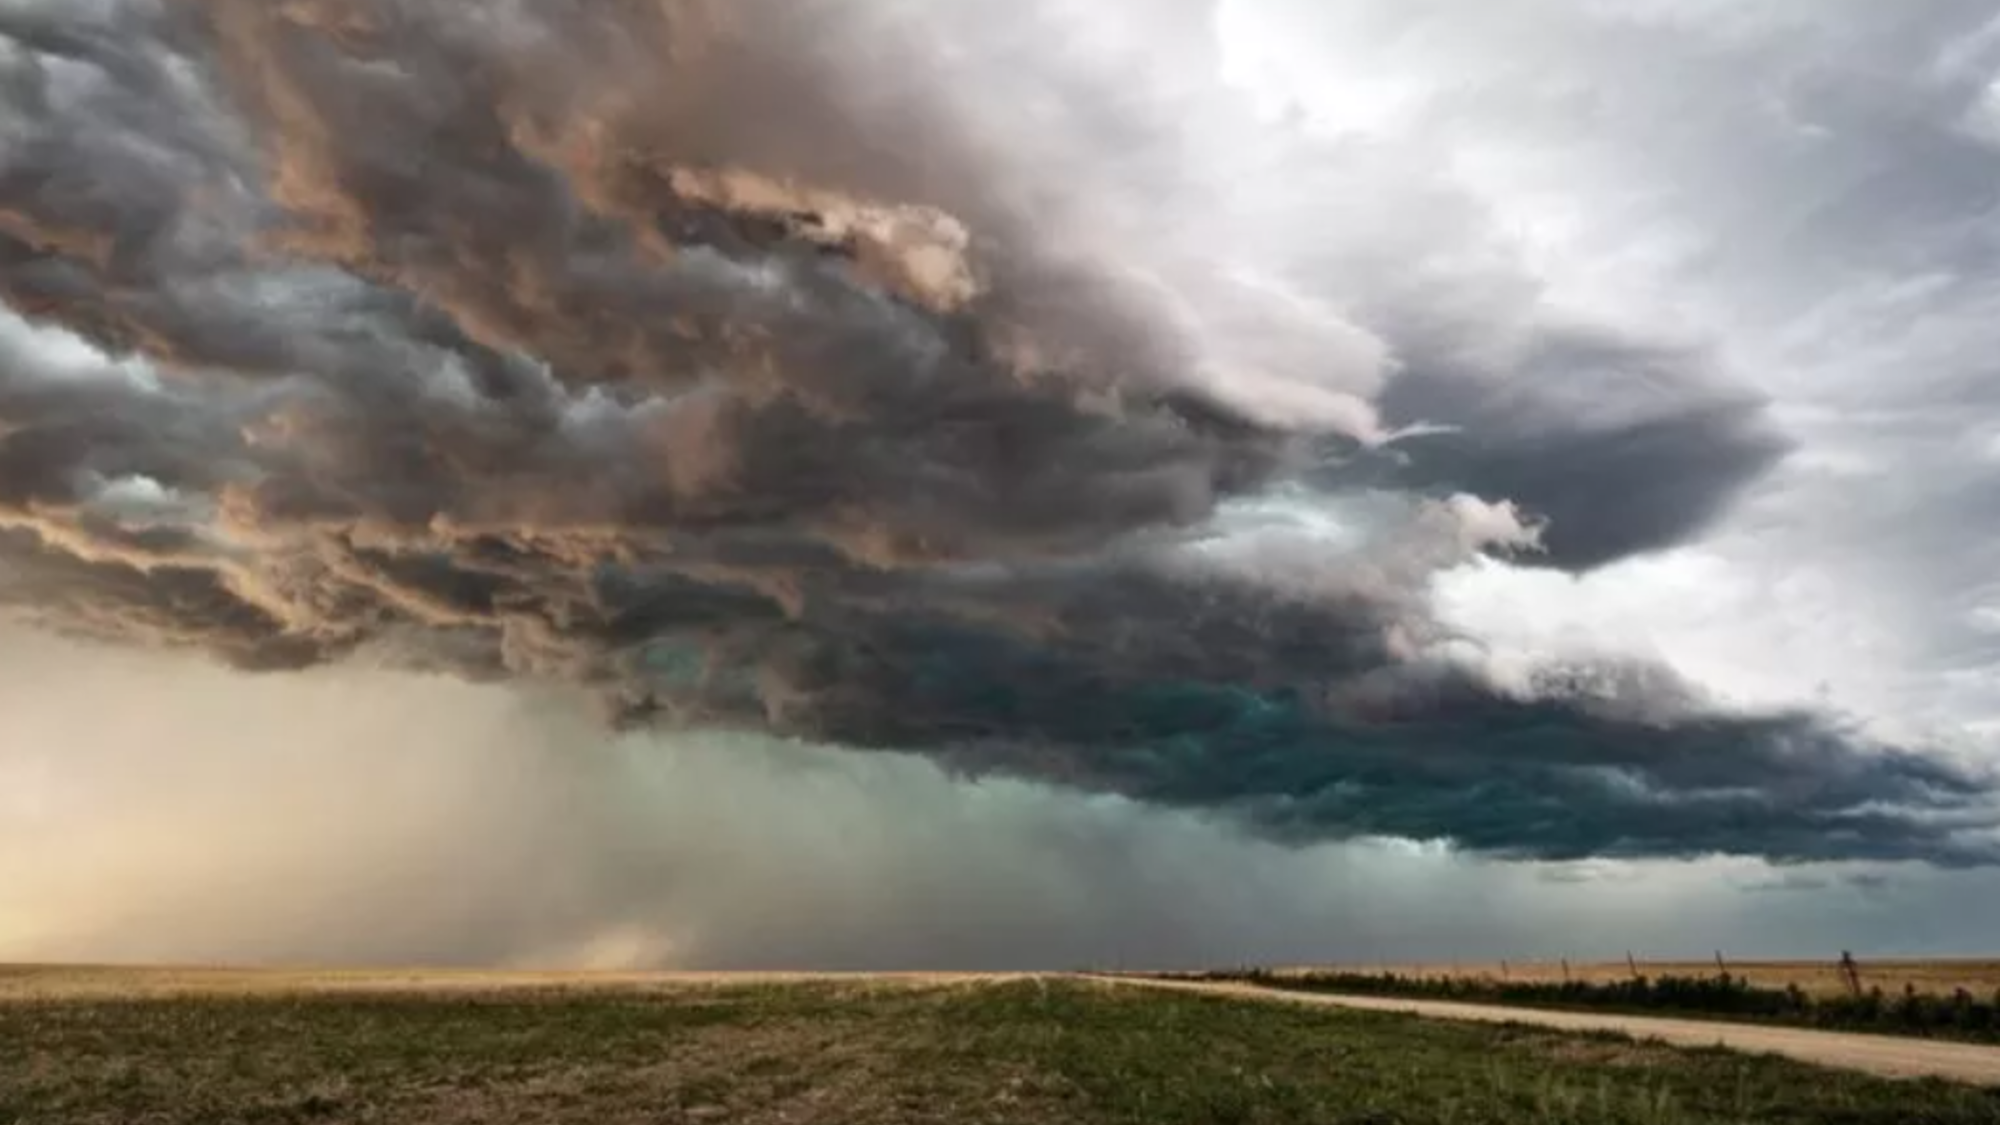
(1599, 1052)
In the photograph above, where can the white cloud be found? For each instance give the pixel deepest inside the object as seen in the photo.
(1786, 184)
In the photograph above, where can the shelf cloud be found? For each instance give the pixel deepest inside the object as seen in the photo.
(1039, 396)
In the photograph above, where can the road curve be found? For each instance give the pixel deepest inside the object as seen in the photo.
(1885, 1055)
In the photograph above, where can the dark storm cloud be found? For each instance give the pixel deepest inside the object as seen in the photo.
(490, 344)
(1804, 883)
(1622, 447)
(1575, 773)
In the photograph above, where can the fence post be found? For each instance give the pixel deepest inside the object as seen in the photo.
(1850, 973)
(1632, 964)
(1720, 967)
(1565, 970)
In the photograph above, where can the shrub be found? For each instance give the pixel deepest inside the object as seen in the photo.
(1961, 1015)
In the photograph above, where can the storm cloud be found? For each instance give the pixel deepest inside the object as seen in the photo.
(846, 374)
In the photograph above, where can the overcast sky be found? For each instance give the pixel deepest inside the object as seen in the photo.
(898, 483)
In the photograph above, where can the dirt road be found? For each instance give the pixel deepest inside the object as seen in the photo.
(1875, 1054)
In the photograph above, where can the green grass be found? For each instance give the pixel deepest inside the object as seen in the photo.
(1058, 1051)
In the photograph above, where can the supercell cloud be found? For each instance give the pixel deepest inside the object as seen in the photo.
(1023, 392)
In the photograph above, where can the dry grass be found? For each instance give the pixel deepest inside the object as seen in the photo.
(108, 1046)
(87, 982)
(220, 1047)
(1818, 978)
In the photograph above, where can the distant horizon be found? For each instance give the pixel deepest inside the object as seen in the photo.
(1467, 963)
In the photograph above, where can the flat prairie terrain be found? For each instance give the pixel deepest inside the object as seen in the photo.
(1820, 978)
(86, 982)
(215, 1047)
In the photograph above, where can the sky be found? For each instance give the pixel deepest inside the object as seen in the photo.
(930, 483)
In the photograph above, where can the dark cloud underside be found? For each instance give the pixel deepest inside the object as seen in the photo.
(718, 369)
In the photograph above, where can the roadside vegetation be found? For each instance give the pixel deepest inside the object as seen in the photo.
(1026, 1051)
(1958, 1015)
(1830, 976)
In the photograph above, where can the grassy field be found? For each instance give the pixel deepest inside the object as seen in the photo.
(216, 1049)
(1819, 978)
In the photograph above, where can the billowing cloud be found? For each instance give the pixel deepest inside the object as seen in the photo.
(860, 375)
(1621, 446)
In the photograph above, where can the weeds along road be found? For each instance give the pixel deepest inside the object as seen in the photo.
(1884, 1055)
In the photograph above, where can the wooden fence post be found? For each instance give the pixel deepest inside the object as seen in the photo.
(1632, 964)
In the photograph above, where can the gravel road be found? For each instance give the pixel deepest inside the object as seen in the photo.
(1890, 1056)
